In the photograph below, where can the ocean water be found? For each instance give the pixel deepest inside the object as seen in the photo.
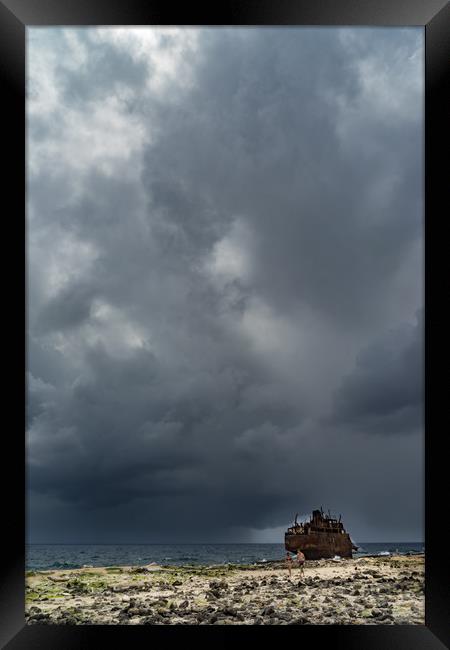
(71, 556)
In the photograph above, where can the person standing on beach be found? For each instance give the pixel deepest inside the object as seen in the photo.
(289, 562)
(301, 562)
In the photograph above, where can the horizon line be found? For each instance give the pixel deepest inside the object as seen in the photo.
(185, 543)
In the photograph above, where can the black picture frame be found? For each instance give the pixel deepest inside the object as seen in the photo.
(434, 16)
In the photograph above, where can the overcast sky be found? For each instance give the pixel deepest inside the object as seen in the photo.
(225, 282)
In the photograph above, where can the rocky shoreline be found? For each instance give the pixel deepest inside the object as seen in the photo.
(364, 591)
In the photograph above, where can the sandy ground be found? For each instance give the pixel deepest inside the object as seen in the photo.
(376, 590)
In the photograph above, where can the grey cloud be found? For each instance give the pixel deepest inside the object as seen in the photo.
(165, 404)
(47, 363)
(133, 416)
(97, 78)
(386, 387)
(257, 135)
(69, 308)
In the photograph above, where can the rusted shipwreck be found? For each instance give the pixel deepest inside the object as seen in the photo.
(323, 536)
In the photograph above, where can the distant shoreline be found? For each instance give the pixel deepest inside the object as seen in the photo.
(42, 557)
(231, 565)
(257, 563)
(188, 543)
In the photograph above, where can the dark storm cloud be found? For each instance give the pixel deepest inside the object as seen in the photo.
(68, 309)
(385, 391)
(203, 274)
(258, 135)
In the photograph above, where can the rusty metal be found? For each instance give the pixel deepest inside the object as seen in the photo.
(322, 536)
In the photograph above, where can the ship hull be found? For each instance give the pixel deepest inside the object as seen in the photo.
(315, 546)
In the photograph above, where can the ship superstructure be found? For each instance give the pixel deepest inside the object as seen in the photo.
(323, 536)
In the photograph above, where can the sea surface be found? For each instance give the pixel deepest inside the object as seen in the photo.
(72, 556)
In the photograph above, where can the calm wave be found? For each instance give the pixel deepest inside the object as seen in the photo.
(71, 556)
